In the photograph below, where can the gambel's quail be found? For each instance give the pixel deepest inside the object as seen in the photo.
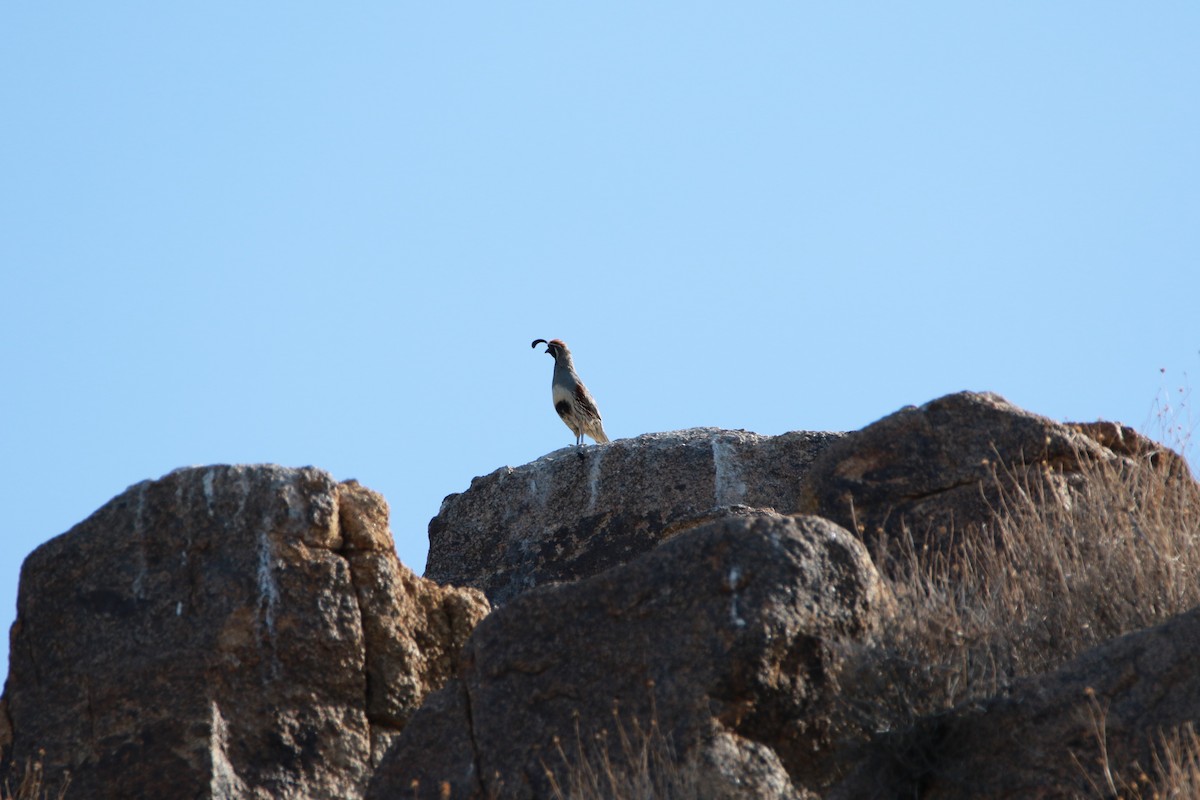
(572, 400)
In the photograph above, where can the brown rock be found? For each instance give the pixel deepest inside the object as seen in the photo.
(1125, 441)
(723, 634)
(731, 767)
(224, 631)
(1054, 735)
(435, 756)
(938, 470)
(413, 628)
(6, 733)
(573, 514)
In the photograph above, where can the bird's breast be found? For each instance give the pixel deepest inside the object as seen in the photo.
(563, 394)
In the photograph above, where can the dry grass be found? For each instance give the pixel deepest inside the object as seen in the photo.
(1176, 768)
(1175, 773)
(624, 760)
(1174, 421)
(1070, 561)
(32, 785)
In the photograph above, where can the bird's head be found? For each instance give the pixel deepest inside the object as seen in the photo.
(554, 347)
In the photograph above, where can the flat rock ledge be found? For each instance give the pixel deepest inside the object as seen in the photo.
(574, 513)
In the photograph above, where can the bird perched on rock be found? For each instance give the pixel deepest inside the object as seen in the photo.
(572, 400)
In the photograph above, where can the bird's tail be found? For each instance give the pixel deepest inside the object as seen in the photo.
(597, 433)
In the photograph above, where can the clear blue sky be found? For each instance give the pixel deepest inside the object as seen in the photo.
(317, 233)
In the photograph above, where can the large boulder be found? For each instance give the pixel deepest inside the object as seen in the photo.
(228, 632)
(721, 639)
(1101, 717)
(938, 471)
(574, 513)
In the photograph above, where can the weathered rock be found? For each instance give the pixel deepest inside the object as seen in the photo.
(569, 515)
(436, 755)
(725, 629)
(1053, 735)
(413, 628)
(940, 469)
(730, 767)
(225, 632)
(6, 733)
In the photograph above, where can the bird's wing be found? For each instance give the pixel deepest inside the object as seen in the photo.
(584, 401)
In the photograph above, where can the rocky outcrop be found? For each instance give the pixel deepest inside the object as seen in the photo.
(1054, 735)
(722, 637)
(226, 632)
(938, 471)
(243, 632)
(573, 513)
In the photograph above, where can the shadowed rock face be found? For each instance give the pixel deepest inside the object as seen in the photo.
(225, 632)
(573, 514)
(723, 635)
(1042, 740)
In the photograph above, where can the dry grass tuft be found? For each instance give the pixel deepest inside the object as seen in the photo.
(1176, 767)
(32, 784)
(634, 760)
